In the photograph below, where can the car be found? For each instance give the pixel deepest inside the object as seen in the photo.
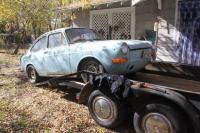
(69, 50)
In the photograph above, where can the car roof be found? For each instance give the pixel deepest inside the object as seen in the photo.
(62, 30)
(59, 30)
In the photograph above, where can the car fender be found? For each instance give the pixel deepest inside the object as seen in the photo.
(91, 57)
(105, 56)
(31, 63)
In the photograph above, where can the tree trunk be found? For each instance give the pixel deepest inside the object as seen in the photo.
(34, 30)
(39, 30)
(21, 42)
(50, 27)
(17, 48)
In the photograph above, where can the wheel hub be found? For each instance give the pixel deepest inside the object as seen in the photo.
(92, 68)
(32, 74)
(103, 108)
(156, 123)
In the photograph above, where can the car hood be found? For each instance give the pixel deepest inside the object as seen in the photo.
(137, 44)
(133, 44)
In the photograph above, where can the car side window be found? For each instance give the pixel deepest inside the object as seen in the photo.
(41, 44)
(56, 40)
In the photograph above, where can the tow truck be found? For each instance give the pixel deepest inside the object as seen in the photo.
(111, 99)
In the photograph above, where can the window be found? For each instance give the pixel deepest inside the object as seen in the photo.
(81, 35)
(40, 44)
(56, 40)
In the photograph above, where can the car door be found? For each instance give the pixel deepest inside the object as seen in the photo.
(57, 59)
(37, 55)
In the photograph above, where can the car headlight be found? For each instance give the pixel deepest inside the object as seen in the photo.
(124, 48)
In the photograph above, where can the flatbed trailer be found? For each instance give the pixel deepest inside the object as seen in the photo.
(111, 99)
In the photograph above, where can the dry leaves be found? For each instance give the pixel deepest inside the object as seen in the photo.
(24, 108)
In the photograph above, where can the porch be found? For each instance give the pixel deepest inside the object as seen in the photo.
(159, 21)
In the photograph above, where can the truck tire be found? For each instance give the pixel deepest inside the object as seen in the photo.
(159, 118)
(107, 111)
(32, 74)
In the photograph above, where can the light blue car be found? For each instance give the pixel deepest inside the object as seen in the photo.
(68, 50)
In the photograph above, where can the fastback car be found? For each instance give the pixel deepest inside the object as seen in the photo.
(68, 50)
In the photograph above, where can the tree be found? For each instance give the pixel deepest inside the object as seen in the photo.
(30, 15)
(33, 16)
(65, 2)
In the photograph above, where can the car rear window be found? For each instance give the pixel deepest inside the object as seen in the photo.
(40, 44)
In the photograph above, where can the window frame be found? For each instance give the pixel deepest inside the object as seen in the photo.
(69, 42)
(31, 50)
(66, 41)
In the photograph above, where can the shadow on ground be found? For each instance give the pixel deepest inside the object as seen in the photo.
(70, 95)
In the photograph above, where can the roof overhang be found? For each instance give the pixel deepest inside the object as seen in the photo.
(134, 2)
(94, 3)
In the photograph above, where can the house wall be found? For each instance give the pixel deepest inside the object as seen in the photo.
(167, 33)
(146, 15)
(83, 16)
(123, 17)
(82, 19)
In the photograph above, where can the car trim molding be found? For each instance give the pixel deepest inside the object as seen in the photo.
(139, 49)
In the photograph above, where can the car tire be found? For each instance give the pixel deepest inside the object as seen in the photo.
(91, 66)
(171, 120)
(32, 74)
(107, 111)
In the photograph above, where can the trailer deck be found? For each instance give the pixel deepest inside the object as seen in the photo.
(174, 83)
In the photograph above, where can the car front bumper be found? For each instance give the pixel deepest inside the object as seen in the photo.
(128, 67)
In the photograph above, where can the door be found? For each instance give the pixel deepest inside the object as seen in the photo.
(57, 57)
(37, 55)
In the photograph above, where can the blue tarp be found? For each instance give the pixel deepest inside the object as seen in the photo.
(189, 28)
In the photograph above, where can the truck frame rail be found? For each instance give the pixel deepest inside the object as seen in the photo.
(118, 90)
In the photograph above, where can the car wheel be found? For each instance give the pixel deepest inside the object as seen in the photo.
(32, 74)
(159, 118)
(91, 66)
(106, 111)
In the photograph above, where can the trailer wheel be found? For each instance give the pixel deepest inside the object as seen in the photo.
(159, 118)
(107, 111)
(32, 74)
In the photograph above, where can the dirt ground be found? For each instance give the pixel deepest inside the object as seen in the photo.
(25, 108)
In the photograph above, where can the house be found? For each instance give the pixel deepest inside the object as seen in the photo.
(172, 25)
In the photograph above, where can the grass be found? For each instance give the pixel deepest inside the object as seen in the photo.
(14, 119)
(1, 62)
(2, 116)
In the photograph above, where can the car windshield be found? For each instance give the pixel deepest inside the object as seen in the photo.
(82, 35)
